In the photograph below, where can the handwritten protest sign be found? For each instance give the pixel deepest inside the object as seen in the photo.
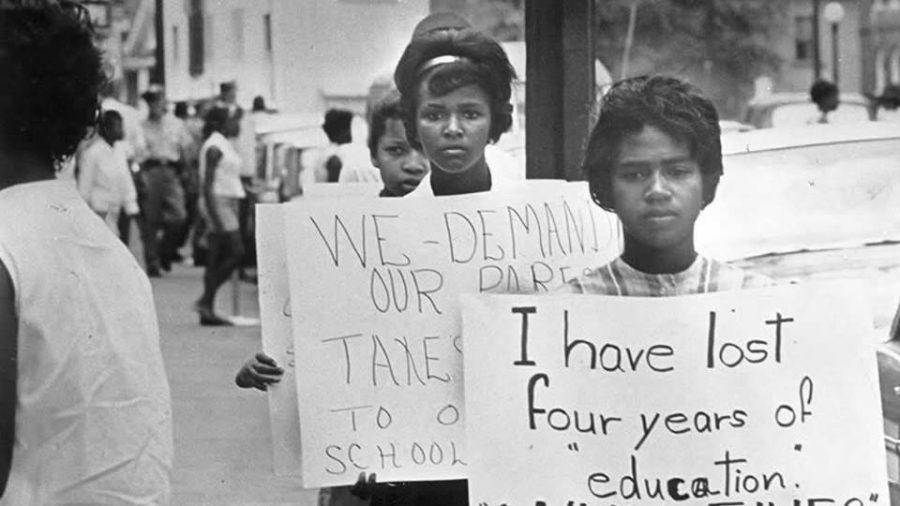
(277, 340)
(761, 397)
(374, 286)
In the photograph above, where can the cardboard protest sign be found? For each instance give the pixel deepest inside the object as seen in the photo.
(374, 286)
(758, 397)
(277, 340)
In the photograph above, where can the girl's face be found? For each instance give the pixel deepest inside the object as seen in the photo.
(454, 128)
(402, 167)
(657, 190)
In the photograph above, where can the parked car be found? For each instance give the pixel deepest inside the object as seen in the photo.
(795, 109)
(820, 202)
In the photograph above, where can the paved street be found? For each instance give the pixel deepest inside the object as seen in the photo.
(223, 447)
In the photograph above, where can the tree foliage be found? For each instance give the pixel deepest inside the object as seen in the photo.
(720, 45)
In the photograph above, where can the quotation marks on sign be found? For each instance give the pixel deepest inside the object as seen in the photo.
(572, 447)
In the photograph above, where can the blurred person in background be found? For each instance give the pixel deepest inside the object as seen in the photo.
(888, 104)
(827, 98)
(104, 179)
(220, 194)
(190, 179)
(162, 204)
(85, 411)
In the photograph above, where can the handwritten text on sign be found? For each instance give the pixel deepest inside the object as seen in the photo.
(378, 347)
(741, 398)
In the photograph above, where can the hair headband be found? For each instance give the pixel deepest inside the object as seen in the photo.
(440, 60)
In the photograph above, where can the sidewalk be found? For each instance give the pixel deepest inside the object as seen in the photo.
(223, 444)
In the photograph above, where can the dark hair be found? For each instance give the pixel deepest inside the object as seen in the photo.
(215, 121)
(50, 77)
(259, 103)
(387, 107)
(181, 109)
(821, 90)
(481, 62)
(337, 122)
(890, 97)
(107, 118)
(669, 104)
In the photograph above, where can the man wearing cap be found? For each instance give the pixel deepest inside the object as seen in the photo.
(163, 200)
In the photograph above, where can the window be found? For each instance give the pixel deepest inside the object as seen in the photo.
(267, 32)
(803, 38)
(196, 38)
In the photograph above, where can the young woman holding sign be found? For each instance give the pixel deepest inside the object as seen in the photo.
(455, 86)
(654, 158)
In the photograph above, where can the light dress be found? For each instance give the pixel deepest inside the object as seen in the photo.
(93, 413)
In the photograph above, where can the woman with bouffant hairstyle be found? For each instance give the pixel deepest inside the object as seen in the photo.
(455, 87)
(85, 413)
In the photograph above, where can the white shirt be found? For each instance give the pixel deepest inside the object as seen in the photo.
(93, 412)
(228, 171)
(357, 165)
(104, 179)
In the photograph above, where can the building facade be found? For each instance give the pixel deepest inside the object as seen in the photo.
(301, 56)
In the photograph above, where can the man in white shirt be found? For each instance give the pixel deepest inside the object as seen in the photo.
(104, 179)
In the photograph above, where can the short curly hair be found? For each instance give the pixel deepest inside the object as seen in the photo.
(385, 108)
(669, 104)
(51, 75)
(481, 62)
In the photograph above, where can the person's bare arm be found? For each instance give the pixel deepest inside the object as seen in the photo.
(213, 157)
(8, 373)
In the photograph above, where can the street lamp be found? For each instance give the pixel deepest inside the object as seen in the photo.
(834, 13)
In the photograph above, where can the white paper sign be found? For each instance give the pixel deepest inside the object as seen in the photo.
(277, 341)
(760, 397)
(378, 347)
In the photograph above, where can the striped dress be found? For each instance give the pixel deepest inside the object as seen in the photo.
(703, 276)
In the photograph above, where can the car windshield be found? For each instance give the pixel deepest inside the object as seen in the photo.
(818, 197)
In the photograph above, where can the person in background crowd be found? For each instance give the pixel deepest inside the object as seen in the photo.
(85, 412)
(337, 128)
(245, 143)
(221, 192)
(654, 159)
(134, 145)
(888, 104)
(190, 180)
(163, 202)
(259, 104)
(827, 98)
(104, 179)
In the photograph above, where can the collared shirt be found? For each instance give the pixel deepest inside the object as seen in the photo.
(166, 139)
(104, 179)
(703, 276)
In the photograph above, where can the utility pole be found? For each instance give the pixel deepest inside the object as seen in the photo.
(559, 86)
(817, 55)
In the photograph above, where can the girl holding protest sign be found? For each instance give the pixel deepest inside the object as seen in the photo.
(455, 86)
(654, 158)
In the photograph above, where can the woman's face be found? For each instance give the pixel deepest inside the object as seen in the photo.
(454, 128)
